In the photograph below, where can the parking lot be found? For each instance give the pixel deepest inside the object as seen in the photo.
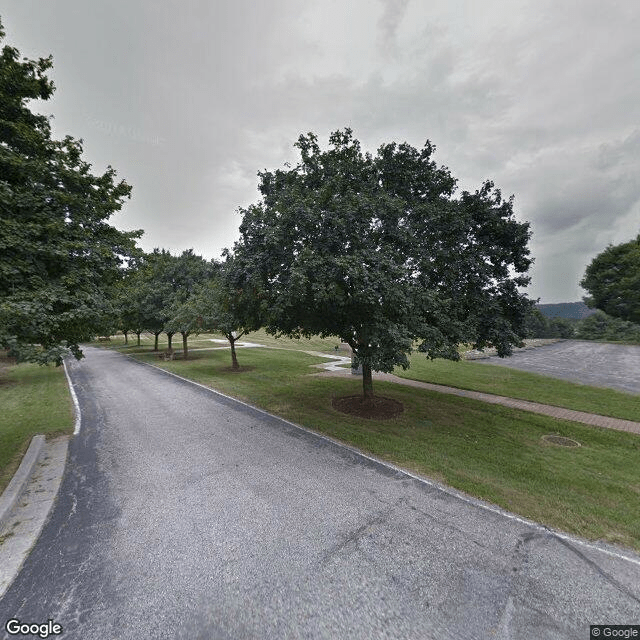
(598, 364)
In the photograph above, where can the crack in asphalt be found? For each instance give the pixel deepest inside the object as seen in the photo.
(598, 569)
(354, 536)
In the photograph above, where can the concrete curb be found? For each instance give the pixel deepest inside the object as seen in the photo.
(21, 478)
(26, 520)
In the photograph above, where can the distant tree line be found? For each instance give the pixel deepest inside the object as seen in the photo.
(612, 280)
(571, 310)
(185, 294)
(597, 326)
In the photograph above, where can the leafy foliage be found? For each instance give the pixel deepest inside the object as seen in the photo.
(613, 281)
(561, 328)
(537, 325)
(600, 326)
(376, 250)
(155, 288)
(58, 254)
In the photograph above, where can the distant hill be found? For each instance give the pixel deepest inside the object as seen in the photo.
(570, 310)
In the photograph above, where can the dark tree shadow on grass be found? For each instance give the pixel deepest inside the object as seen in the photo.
(374, 407)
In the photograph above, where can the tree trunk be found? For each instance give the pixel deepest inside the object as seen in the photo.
(155, 344)
(169, 339)
(234, 360)
(185, 348)
(138, 334)
(367, 381)
(126, 337)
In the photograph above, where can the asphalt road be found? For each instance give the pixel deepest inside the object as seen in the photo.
(183, 514)
(593, 363)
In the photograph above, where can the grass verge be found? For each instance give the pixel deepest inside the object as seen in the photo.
(488, 451)
(523, 385)
(34, 400)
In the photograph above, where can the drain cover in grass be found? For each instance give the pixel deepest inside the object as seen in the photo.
(561, 441)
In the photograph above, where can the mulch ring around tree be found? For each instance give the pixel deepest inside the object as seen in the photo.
(378, 407)
(240, 369)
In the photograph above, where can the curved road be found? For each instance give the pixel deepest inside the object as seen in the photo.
(183, 514)
(597, 364)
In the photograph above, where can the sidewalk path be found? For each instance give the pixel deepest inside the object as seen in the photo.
(524, 405)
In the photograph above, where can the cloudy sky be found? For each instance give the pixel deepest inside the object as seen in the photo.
(188, 100)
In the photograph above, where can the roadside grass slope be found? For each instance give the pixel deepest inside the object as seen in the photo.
(35, 400)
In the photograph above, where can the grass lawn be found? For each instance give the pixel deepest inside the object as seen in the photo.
(526, 386)
(34, 399)
(488, 451)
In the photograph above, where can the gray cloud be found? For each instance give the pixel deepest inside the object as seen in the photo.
(394, 11)
(189, 100)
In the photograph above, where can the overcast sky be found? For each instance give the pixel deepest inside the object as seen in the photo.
(188, 100)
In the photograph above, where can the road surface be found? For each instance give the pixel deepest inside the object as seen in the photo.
(183, 514)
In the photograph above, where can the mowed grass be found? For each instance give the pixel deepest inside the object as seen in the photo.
(34, 400)
(488, 451)
(526, 386)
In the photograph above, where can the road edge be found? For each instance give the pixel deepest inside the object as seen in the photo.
(18, 485)
(21, 477)
(74, 399)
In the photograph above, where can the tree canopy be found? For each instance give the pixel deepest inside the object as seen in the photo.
(537, 325)
(613, 281)
(57, 252)
(155, 286)
(600, 326)
(376, 250)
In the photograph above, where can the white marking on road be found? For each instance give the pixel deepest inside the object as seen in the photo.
(74, 397)
(447, 490)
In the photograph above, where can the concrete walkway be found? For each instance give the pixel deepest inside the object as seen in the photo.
(523, 405)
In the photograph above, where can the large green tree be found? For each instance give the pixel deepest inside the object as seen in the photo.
(186, 318)
(375, 250)
(613, 281)
(58, 255)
